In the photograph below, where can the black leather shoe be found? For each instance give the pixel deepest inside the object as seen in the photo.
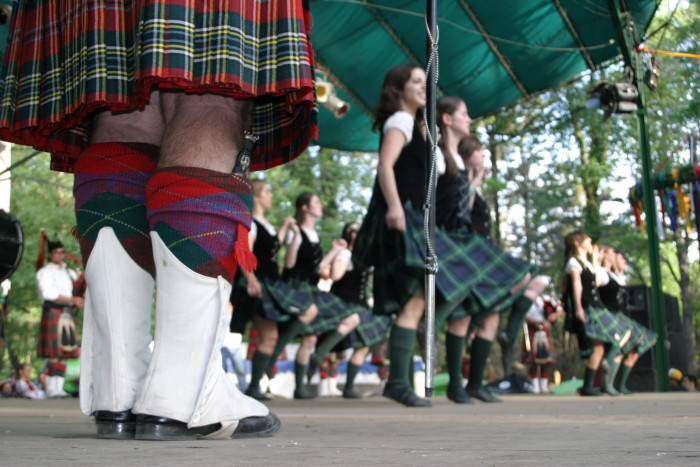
(406, 396)
(351, 394)
(153, 428)
(115, 425)
(483, 395)
(459, 395)
(590, 392)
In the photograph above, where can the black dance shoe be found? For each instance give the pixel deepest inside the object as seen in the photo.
(483, 395)
(115, 425)
(584, 391)
(303, 393)
(459, 395)
(257, 394)
(351, 394)
(405, 396)
(153, 428)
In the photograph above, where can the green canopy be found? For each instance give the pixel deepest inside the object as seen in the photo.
(491, 53)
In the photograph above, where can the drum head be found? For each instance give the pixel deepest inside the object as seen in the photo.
(11, 244)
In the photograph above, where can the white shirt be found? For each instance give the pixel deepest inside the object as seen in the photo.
(442, 164)
(403, 121)
(53, 280)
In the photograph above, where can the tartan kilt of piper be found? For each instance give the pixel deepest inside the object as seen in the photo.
(58, 337)
(68, 59)
(642, 338)
(279, 303)
(372, 330)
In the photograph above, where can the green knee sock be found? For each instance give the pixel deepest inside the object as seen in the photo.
(353, 370)
(401, 344)
(454, 349)
(299, 374)
(588, 378)
(287, 332)
(517, 315)
(622, 385)
(613, 367)
(481, 348)
(260, 361)
(326, 344)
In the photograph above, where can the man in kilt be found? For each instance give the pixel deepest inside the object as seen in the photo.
(149, 103)
(58, 339)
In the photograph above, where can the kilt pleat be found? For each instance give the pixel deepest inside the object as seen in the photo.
(331, 311)
(642, 338)
(603, 326)
(280, 302)
(372, 330)
(63, 63)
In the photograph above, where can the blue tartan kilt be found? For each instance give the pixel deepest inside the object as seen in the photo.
(372, 330)
(280, 302)
(602, 325)
(642, 338)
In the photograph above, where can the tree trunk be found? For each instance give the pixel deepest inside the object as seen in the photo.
(682, 244)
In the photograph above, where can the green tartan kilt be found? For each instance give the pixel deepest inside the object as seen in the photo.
(601, 325)
(642, 338)
(280, 302)
(331, 308)
(399, 261)
(499, 273)
(372, 330)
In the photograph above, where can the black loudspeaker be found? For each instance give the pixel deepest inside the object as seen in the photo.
(643, 377)
(11, 244)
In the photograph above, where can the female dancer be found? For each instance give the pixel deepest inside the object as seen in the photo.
(501, 276)
(391, 236)
(613, 293)
(304, 266)
(588, 318)
(350, 284)
(262, 296)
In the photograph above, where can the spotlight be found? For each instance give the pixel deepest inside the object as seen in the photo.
(325, 94)
(619, 98)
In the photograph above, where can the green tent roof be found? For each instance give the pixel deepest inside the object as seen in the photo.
(491, 53)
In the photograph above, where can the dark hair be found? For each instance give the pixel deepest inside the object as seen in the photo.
(302, 200)
(571, 242)
(348, 229)
(392, 92)
(468, 146)
(447, 106)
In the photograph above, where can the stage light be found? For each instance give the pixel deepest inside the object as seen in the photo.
(614, 98)
(651, 77)
(326, 95)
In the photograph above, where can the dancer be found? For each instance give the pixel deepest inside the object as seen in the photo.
(500, 277)
(540, 348)
(587, 317)
(262, 296)
(391, 237)
(613, 293)
(155, 105)
(304, 266)
(350, 283)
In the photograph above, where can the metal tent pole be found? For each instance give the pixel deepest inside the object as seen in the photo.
(430, 183)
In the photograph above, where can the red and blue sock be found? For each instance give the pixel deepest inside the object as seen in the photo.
(203, 217)
(110, 191)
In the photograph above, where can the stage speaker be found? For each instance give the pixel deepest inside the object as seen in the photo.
(11, 245)
(643, 377)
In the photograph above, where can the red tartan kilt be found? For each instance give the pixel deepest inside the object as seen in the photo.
(50, 336)
(111, 55)
(529, 357)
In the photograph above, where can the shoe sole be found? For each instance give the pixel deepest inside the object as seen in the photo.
(171, 432)
(116, 430)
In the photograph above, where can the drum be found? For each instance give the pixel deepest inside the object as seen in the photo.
(11, 244)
